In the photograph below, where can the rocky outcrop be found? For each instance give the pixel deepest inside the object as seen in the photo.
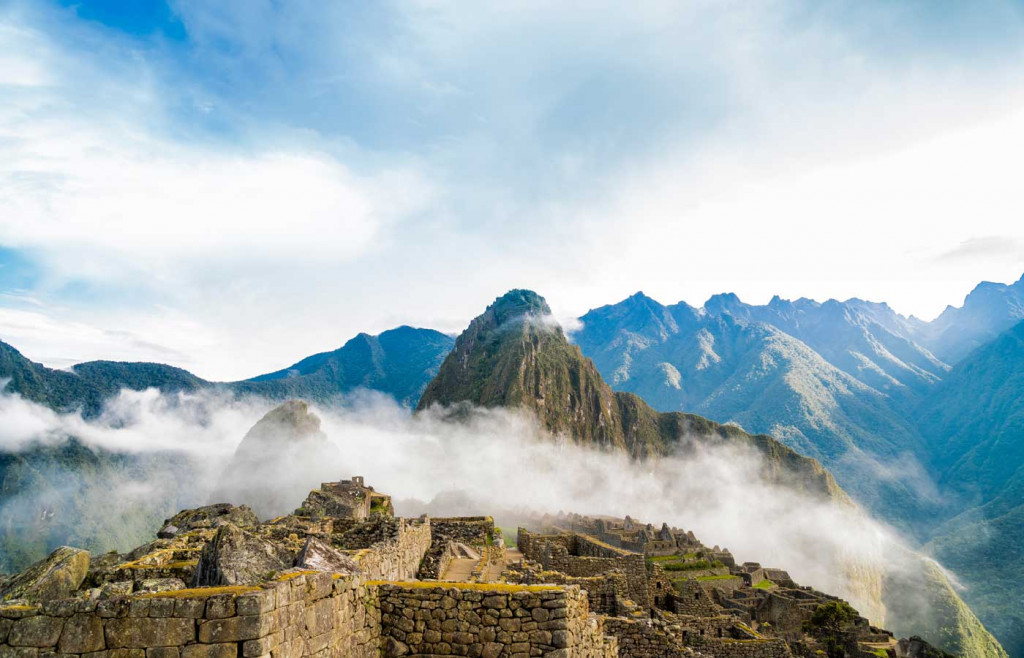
(318, 556)
(237, 557)
(54, 577)
(210, 516)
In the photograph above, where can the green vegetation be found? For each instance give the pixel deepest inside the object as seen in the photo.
(511, 537)
(719, 577)
(764, 584)
(697, 565)
(828, 623)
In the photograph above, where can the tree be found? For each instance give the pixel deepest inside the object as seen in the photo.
(827, 623)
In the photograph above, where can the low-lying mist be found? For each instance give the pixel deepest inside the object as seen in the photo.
(489, 461)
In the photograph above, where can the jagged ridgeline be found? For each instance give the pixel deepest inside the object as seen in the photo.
(398, 362)
(515, 355)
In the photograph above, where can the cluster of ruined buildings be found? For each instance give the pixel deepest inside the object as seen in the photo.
(343, 577)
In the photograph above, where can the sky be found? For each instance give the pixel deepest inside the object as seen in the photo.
(229, 187)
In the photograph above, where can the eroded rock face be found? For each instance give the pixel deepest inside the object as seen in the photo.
(210, 516)
(55, 577)
(320, 556)
(237, 557)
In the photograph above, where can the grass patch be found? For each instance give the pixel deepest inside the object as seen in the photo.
(476, 587)
(691, 566)
(199, 592)
(764, 584)
(722, 577)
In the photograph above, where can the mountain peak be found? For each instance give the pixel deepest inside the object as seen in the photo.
(517, 303)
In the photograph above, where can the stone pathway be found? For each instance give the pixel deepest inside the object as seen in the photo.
(460, 569)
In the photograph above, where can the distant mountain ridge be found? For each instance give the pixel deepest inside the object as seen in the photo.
(398, 362)
(750, 372)
(989, 310)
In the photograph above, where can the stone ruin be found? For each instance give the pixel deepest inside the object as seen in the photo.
(343, 577)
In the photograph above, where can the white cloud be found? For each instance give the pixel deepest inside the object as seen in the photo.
(278, 185)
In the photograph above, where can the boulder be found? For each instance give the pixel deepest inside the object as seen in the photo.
(237, 557)
(55, 577)
(320, 556)
(210, 516)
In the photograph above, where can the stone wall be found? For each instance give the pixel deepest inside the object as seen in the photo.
(470, 530)
(302, 614)
(639, 638)
(490, 620)
(477, 531)
(693, 600)
(726, 648)
(605, 592)
(398, 557)
(585, 556)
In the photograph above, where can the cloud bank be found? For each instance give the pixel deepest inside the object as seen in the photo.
(493, 461)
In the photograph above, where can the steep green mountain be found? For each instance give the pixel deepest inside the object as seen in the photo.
(70, 493)
(88, 385)
(398, 362)
(735, 369)
(513, 355)
(974, 423)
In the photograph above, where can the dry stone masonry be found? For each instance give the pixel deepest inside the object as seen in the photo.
(342, 577)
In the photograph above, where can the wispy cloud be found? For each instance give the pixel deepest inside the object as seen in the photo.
(331, 163)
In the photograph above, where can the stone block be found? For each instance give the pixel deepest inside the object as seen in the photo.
(220, 650)
(145, 632)
(163, 652)
(263, 645)
(126, 653)
(138, 608)
(82, 634)
(255, 603)
(162, 607)
(112, 608)
(220, 606)
(59, 608)
(18, 652)
(236, 629)
(40, 631)
(189, 608)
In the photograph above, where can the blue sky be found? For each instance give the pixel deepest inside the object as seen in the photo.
(231, 186)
